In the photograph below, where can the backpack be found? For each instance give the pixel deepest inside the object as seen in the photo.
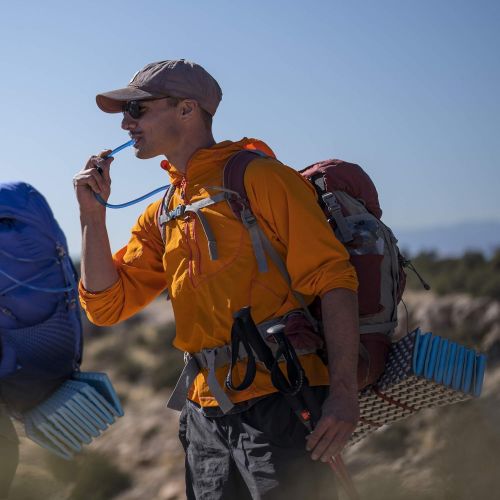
(40, 325)
(350, 203)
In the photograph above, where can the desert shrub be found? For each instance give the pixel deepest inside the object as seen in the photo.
(472, 273)
(167, 371)
(129, 369)
(99, 478)
(64, 471)
(31, 488)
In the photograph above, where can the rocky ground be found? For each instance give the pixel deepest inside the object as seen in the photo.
(445, 453)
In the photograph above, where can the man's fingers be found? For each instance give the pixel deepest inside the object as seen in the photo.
(104, 153)
(329, 438)
(98, 178)
(90, 178)
(103, 167)
(313, 439)
(336, 445)
(99, 161)
(105, 170)
(324, 444)
(89, 182)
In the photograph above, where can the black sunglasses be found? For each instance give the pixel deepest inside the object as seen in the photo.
(134, 109)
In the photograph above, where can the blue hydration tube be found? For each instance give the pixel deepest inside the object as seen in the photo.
(99, 198)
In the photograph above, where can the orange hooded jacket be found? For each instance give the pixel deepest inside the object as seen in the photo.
(205, 293)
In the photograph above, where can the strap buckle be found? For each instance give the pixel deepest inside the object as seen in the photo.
(331, 201)
(248, 218)
(178, 211)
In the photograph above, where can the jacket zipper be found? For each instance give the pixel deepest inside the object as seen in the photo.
(187, 233)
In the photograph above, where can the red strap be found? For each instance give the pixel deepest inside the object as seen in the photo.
(234, 175)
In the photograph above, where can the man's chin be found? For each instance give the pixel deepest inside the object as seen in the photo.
(144, 154)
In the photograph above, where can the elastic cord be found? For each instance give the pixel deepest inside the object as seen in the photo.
(37, 288)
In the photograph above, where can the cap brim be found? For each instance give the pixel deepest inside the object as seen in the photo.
(112, 102)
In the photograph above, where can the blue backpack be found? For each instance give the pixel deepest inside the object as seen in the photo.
(40, 327)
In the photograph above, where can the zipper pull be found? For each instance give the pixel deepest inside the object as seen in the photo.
(408, 263)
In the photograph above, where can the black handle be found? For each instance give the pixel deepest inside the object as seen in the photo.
(252, 334)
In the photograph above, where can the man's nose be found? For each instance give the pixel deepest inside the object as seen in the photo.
(128, 123)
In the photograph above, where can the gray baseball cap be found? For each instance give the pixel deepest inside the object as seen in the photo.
(176, 78)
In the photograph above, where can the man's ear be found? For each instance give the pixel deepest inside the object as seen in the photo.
(187, 107)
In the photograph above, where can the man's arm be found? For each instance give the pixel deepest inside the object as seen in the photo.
(340, 412)
(115, 287)
(97, 269)
(318, 264)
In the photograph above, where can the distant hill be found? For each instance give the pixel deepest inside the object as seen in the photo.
(453, 239)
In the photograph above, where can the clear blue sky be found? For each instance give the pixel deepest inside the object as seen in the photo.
(407, 89)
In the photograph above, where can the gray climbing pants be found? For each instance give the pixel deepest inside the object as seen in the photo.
(258, 453)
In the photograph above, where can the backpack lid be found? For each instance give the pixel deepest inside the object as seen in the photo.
(349, 177)
(21, 202)
(31, 248)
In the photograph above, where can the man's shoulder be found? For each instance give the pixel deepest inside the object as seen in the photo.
(273, 173)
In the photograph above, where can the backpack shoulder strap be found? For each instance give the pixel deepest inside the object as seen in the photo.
(234, 186)
(233, 179)
(162, 211)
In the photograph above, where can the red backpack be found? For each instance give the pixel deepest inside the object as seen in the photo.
(350, 203)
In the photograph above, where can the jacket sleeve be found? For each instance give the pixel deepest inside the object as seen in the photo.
(141, 275)
(286, 207)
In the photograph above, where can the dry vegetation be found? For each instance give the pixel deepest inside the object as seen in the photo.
(449, 453)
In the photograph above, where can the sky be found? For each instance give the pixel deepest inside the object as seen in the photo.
(407, 89)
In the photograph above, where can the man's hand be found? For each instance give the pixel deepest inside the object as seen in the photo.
(340, 411)
(97, 268)
(93, 178)
(339, 416)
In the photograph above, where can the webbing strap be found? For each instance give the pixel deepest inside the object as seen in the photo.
(164, 210)
(335, 211)
(218, 393)
(195, 208)
(255, 233)
(208, 359)
(280, 264)
(180, 210)
(209, 235)
(394, 268)
(221, 356)
(178, 397)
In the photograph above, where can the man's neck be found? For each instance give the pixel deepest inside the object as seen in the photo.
(187, 148)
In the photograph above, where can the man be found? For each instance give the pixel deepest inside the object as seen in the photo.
(256, 445)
